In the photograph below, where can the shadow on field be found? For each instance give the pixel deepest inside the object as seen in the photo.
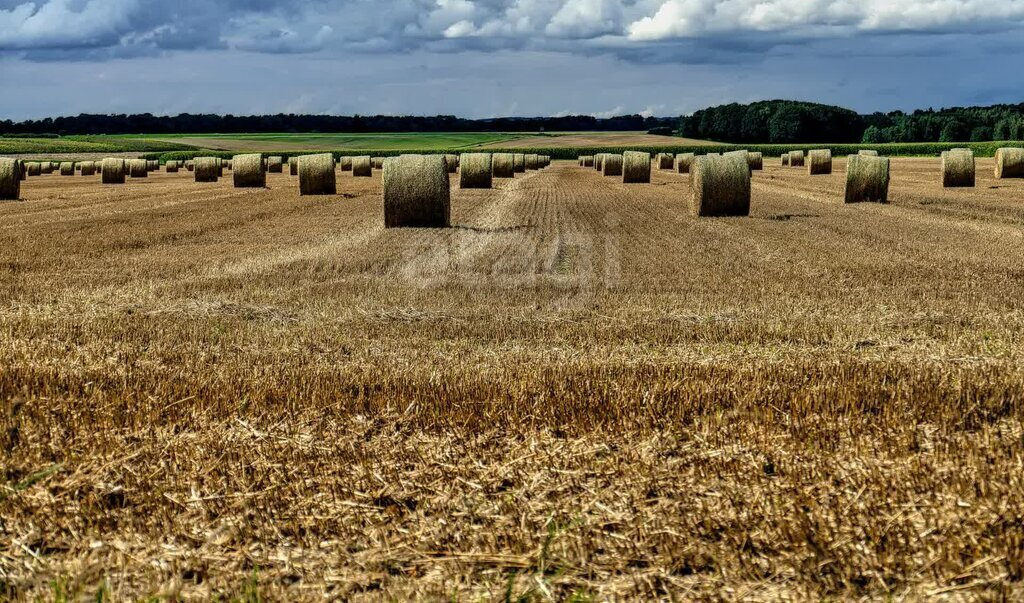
(493, 230)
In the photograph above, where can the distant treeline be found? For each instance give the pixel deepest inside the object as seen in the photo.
(781, 121)
(186, 123)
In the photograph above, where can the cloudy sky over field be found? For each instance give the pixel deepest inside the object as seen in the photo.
(482, 58)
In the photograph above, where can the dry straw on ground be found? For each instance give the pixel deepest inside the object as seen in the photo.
(684, 162)
(362, 166)
(207, 169)
(475, 170)
(112, 171)
(867, 179)
(819, 162)
(1010, 162)
(416, 191)
(721, 186)
(10, 179)
(88, 168)
(796, 159)
(958, 168)
(67, 168)
(636, 167)
(503, 165)
(612, 165)
(519, 162)
(317, 175)
(666, 161)
(248, 171)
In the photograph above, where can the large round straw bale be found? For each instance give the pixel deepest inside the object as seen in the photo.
(33, 168)
(112, 170)
(868, 153)
(532, 162)
(46, 167)
(88, 168)
(207, 169)
(666, 161)
(10, 179)
(248, 171)
(377, 162)
(274, 164)
(756, 160)
(867, 179)
(1010, 162)
(796, 159)
(785, 159)
(503, 165)
(519, 162)
(957, 168)
(819, 161)
(684, 162)
(138, 168)
(451, 161)
(190, 165)
(721, 185)
(362, 166)
(416, 192)
(742, 154)
(611, 165)
(67, 168)
(588, 160)
(636, 167)
(316, 175)
(171, 167)
(475, 170)
(293, 166)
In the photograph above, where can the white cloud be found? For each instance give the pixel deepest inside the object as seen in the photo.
(57, 22)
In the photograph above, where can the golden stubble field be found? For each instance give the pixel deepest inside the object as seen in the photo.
(579, 390)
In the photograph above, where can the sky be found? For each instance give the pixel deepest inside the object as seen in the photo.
(490, 58)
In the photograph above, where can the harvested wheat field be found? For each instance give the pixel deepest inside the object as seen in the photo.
(578, 390)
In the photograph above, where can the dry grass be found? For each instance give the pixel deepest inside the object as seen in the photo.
(580, 389)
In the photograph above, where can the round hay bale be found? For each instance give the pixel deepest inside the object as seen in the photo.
(819, 161)
(416, 192)
(274, 164)
(293, 166)
(1010, 162)
(138, 168)
(475, 170)
(612, 165)
(685, 162)
(756, 160)
(362, 166)
(868, 153)
(867, 179)
(545, 161)
(958, 168)
(10, 179)
(67, 168)
(451, 162)
(33, 168)
(46, 167)
(377, 163)
(153, 165)
(112, 171)
(345, 163)
(796, 159)
(78, 166)
(599, 162)
(636, 167)
(88, 168)
(316, 175)
(721, 185)
(532, 162)
(503, 165)
(666, 161)
(190, 165)
(588, 160)
(171, 167)
(742, 154)
(248, 172)
(785, 159)
(207, 169)
(519, 162)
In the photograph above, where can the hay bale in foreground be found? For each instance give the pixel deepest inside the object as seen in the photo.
(362, 166)
(317, 176)
(636, 167)
(867, 179)
(532, 162)
(819, 161)
(721, 186)
(138, 168)
(503, 165)
(588, 160)
(207, 169)
(67, 168)
(475, 170)
(756, 160)
(685, 162)
(742, 154)
(112, 171)
(451, 162)
(416, 192)
(785, 160)
(666, 161)
(519, 162)
(88, 168)
(248, 172)
(1010, 162)
(10, 179)
(34, 168)
(796, 159)
(612, 165)
(171, 167)
(958, 168)
(868, 153)
(275, 164)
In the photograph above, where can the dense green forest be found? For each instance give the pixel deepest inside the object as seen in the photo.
(780, 121)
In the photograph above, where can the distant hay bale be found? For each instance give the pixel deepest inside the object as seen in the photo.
(362, 166)
(248, 172)
(46, 167)
(685, 162)
(10, 179)
(293, 166)
(636, 167)
(33, 168)
(153, 165)
(756, 160)
(868, 153)
(532, 162)
(796, 159)
(138, 168)
(112, 171)
(819, 161)
(171, 167)
(228, 164)
(666, 161)
(190, 165)
(519, 162)
(958, 168)
(345, 163)
(88, 168)
(545, 161)
(207, 169)
(274, 164)
(785, 159)
(67, 168)
(317, 175)
(416, 192)
(721, 185)
(475, 170)
(78, 166)
(503, 165)
(867, 179)
(612, 165)
(451, 162)
(588, 160)
(377, 162)
(1010, 162)
(220, 167)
